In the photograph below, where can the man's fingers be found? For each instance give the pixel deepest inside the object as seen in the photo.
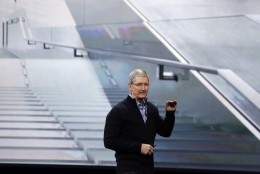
(149, 149)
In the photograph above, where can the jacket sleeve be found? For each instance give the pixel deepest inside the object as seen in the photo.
(112, 131)
(166, 124)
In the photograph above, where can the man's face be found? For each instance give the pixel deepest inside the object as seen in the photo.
(139, 88)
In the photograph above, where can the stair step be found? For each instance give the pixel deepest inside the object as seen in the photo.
(81, 108)
(84, 126)
(208, 135)
(24, 112)
(80, 97)
(42, 155)
(168, 156)
(30, 99)
(64, 102)
(87, 134)
(79, 119)
(16, 95)
(190, 127)
(28, 118)
(37, 143)
(95, 101)
(81, 113)
(67, 91)
(23, 107)
(21, 103)
(14, 89)
(34, 133)
(29, 125)
(101, 156)
(209, 146)
(112, 90)
(74, 104)
(91, 143)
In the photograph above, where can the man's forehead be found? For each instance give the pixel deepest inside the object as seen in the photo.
(138, 78)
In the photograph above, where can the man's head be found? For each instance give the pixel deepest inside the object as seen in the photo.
(138, 84)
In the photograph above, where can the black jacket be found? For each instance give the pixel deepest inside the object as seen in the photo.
(125, 131)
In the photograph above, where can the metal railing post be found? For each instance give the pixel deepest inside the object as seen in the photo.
(6, 33)
(3, 33)
(4, 24)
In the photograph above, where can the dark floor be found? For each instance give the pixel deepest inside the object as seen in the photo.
(77, 169)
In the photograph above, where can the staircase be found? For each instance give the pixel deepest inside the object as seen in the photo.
(82, 113)
(29, 132)
(66, 126)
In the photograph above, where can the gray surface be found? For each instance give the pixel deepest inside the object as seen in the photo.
(220, 42)
(215, 34)
(6, 54)
(11, 73)
(159, 10)
(212, 33)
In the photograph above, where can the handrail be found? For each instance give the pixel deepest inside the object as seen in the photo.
(228, 75)
(147, 59)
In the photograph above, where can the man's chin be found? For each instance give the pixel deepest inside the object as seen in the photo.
(141, 97)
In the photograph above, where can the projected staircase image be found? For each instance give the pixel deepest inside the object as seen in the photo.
(53, 128)
(30, 133)
(61, 72)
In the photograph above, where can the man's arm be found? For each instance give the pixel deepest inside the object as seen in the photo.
(112, 134)
(167, 124)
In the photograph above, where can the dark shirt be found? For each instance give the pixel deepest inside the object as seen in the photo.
(125, 132)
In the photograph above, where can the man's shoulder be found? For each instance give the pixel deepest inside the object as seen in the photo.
(122, 103)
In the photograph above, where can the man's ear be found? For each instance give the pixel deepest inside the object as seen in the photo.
(130, 86)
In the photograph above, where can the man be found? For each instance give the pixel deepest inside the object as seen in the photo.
(131, 127)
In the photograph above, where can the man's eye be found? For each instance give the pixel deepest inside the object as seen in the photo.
(141, 84)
